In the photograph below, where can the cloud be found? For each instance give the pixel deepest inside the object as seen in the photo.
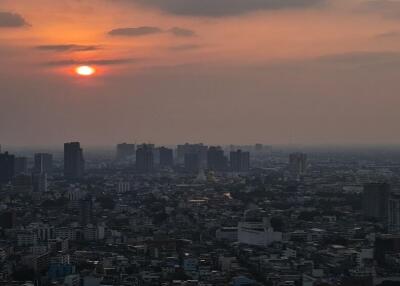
(217, 8)
(12, 20)
(135, 32)
(362, 58)
(106, 62)
(181, 32)
(388, 35)
(67, 48)
(150, 30)
(386, 8)
(187, 47)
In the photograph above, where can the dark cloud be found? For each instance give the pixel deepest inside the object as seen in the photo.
(182, 32)
(68, 48)
(361, 58)
(216, 8)
(12, 20)
(187, 47)
(388, 35)
(135, 32)
(150, 30)
(386, 8)
(108, 62)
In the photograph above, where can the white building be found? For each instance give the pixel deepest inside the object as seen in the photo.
(256, 230)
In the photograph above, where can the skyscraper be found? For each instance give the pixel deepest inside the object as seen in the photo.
(74, 163)
(145, 158)
(239, 161)
(375, 200)
(298, 163)
(216, 160)
(21, 165)
(187, 148)
(125, 151)
(192, 162)
(43, 163)
(258, 147)
(39, 182)
(394, 214)
(6, 167)
(166, 157)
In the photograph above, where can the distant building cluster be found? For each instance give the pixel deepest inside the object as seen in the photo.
(189, 157)
(198, 215)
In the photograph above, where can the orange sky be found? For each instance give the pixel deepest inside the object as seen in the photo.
(253, 37)
(316, 41)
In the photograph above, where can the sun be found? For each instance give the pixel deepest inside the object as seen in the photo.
(85, 70)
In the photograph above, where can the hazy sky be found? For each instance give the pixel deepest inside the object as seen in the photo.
(216, 71)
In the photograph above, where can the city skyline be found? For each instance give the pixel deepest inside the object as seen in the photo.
(199, 142)
(278, 72)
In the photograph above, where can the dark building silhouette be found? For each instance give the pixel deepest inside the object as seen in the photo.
(192, 162)
(239, 161)
(375, 200)
(216, 160)
(43, 163)
(125, 151)
(6, 167)
(394, 214)
(187, 148)
(145, 158)
(22, 182)
(298, 163)
(258, 147)
(166, 157)
(74, 163)
(386, 244)
(8, 219)
(20, 165)
(86, 211)
(39, 182)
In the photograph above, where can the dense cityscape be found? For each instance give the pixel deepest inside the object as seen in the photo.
(201, 215)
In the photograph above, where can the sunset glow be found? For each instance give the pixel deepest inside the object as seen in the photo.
(189, 68)
(85, 71)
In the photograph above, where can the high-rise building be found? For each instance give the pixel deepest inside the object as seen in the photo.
(20, 165)
(298, 163)
(43, 163)
(375, 200)
(145, 158)
(86, 211)
(187, 148)
(39, 182)
(192, 162)
(166, 157)
(125, 151)
(216, 160)
(239, 161)
(6, 167)
(258, 147)
(74, 163)
(394, 214)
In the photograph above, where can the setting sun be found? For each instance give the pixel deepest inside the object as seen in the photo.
(85, 70)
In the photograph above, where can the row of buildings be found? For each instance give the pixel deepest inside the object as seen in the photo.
(147, 158)
(193, 157)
